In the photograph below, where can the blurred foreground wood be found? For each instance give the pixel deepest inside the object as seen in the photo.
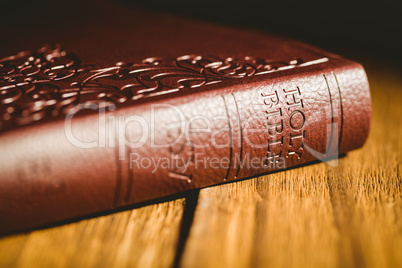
(144, 237)
(316, 216)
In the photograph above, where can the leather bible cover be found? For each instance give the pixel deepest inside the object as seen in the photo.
(122, 106)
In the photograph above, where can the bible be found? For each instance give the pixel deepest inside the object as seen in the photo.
(130, 105)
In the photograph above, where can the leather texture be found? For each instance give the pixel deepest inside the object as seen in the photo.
(198, 92)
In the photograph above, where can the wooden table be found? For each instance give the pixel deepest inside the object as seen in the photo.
(314, 216)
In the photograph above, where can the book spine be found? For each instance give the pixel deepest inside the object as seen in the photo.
(97, 162)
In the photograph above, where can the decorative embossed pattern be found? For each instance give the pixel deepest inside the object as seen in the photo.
(50, 81)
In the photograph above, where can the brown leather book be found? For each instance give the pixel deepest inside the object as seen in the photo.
(126, 106)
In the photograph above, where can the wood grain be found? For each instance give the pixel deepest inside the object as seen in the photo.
(349, 215)
(143, 237)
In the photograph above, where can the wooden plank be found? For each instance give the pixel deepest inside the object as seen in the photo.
(315, 216)
(143, 237)
(272, 220)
